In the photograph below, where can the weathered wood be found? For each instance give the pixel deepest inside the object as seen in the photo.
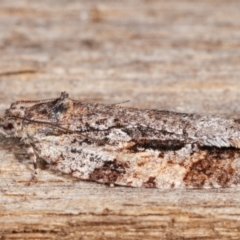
(176, 55)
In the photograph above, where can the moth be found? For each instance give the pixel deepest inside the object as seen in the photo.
(127, 146)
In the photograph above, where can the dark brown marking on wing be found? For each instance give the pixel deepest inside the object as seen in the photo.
(108, 173)
(212, 166)
(150, 183)
(156, 144)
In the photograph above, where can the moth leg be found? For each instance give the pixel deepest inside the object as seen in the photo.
(33, 157)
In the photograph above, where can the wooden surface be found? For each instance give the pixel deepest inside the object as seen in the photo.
(176, 55)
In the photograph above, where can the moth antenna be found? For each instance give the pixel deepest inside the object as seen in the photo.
(55, 125)
(63, 95)
(42, 122)
(120, 102)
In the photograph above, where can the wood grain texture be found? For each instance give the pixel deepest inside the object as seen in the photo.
(175, 55)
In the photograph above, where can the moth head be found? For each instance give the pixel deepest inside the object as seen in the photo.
(45, 112)
(11, 123)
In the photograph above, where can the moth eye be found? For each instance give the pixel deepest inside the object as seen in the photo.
(8, 127)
